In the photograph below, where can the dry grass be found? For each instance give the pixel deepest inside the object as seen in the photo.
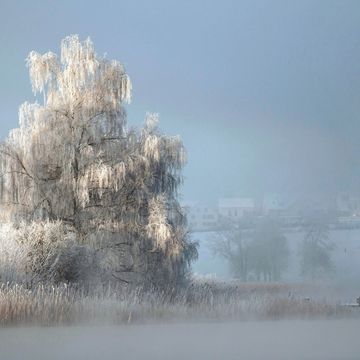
(64, 305)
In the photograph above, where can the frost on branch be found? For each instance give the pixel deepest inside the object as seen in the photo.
(73, 160)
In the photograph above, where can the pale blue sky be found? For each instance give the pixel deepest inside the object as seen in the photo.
(265, 94)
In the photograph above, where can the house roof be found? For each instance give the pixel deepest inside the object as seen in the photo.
(236, 203)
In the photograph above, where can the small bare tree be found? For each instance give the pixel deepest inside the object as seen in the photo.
(231, 244)
(269, 251)
(73, 160)
(315, 251)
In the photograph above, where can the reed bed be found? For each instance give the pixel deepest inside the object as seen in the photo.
(50, 305)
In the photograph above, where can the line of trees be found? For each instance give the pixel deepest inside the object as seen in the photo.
(263, 255)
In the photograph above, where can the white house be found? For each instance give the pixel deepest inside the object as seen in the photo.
(236, 208)
(201, 216)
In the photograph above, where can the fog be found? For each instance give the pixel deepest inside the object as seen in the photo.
(265, 95)
(345, 255)
(296, 340)
(268, 90)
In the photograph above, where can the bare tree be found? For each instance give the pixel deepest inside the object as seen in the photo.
(231, 245)
(261, 254)
(73, 160)
(315, 251)
(269, 252)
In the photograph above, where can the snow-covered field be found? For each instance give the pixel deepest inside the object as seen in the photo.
(282, 340)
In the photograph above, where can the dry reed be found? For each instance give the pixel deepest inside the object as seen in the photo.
(65, 305)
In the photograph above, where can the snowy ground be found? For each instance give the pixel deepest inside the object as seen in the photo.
(283, 340)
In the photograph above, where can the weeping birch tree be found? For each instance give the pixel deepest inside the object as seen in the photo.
(74, 160)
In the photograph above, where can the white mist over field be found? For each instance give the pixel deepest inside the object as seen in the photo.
(285, 340)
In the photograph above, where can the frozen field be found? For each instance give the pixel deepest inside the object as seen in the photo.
(295, 340)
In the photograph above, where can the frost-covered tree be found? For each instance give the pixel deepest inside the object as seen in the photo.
(73, 160)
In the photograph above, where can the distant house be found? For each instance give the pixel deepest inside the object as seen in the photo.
(273, 205)
(201, 217)
(347, 204)
(236, 208)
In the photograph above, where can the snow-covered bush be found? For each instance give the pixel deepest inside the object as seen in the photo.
(43, 251)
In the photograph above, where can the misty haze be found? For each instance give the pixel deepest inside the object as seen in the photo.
(180, 180)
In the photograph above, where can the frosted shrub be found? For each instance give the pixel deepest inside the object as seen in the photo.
(42, 251)
(12, 255)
